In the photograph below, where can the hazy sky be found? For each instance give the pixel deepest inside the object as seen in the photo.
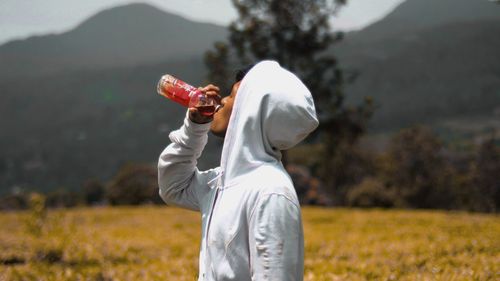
(22, 18)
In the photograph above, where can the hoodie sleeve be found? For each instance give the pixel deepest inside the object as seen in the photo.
(180, 182)
(276, 240)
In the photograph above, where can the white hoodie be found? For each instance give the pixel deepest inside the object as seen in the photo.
(251, 220)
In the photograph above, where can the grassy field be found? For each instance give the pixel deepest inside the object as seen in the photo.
(161, 243)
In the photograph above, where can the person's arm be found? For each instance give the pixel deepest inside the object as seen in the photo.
(179, 180)
(276, 240)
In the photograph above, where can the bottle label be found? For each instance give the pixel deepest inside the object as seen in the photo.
(176, 90)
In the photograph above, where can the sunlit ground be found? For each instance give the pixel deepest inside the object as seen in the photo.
(161, 243)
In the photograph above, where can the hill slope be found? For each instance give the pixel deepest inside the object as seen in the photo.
(80, 104)
(124, 36)
(87, 124)
(415, 15)
(434, 77)
(437, 58)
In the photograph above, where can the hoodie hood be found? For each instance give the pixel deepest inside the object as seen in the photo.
(273, 111)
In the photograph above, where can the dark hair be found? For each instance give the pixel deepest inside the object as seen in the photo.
(240, 74)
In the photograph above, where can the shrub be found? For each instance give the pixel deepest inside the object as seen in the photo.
(93, 192)
(133, 185)
(371, 192)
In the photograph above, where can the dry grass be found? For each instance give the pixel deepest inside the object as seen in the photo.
(161, 243)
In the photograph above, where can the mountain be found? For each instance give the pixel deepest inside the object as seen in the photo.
(60, 130)
(80, 104)
(434, 77)
(129, 35)
(415, 15)
(421, 67)
(400, 27)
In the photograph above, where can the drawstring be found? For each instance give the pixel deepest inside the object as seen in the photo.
(217, 178)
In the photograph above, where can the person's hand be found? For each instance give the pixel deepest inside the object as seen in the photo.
(194, 115)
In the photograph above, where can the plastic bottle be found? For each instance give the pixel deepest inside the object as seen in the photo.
(186, 95)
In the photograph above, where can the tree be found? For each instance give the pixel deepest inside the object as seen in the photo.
(14, 201)
(217, 62)
(297, 34)
(93, 192)
(134, 184)
(417, 171)
(62, 198)
(485, 176)
(371, 192)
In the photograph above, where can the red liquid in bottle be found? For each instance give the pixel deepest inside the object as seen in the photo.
(176, 90)
(186, 95)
